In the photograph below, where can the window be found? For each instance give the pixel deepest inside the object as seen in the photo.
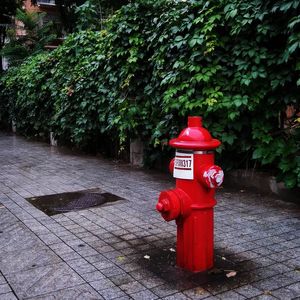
(46, 2)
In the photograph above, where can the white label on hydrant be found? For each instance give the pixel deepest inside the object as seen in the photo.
(184, 165)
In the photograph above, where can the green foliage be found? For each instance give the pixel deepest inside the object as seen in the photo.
(81, 12)
(26, 90)
(89, 16)
(37, 36)
(92, 13)
(7, 11)
(234, 62)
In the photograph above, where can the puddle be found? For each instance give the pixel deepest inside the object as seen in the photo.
(162, 262)
(72, 201)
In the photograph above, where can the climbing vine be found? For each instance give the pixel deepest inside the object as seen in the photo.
(236, 63)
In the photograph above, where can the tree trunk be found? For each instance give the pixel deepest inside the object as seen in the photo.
(2, 41)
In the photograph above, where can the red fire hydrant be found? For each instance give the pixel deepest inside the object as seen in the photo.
(191, 202)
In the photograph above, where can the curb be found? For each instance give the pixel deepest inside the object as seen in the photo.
(262, 182)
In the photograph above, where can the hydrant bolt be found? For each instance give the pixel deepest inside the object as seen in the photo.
(163, 205)
(160, 207)
(166, 204)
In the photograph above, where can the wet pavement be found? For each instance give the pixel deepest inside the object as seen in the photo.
(124, 249)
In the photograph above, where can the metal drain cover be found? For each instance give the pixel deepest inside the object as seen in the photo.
(73, 201)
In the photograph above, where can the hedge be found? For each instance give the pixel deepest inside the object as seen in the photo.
(236, 63)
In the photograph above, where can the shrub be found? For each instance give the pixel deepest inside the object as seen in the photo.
(234, 62)
(26, 90)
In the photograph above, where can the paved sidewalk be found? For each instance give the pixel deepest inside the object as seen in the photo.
(99, 253)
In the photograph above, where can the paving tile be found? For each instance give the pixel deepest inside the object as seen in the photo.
(84, 291)
(197, 293)
(8, 296)
(141, 274)
(4, 288)
(124, 298)
(248, 291)
(114, 255)
(95, 258)
(130, 267)
(61, 248)
(16, 261)
(293, 263)
(264, 297)
(102, 284)
(18, 237)
(103, 264)
(112, 293)
(92, 276)
(151, 282)
(88, 251)
(42, 280)
(132, 287)
(269, 284)
(121, 245)
(122, 279)
(67, 256)
(2, 279)
(177, 296)
(295, 288)
(81, 266)
(230, 295)
(143, 295)
(164, 290)
(216, 287)
(286, 293)
(49, 239)
(112, 271)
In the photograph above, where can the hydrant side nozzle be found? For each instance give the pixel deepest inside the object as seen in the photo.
(169, 205)
(212, 176)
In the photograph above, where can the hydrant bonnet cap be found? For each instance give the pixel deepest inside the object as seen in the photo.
(194, 122)
(195, 137)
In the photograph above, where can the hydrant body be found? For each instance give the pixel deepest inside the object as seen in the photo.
(191, 203)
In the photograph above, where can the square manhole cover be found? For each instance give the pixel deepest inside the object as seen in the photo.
(72, 201)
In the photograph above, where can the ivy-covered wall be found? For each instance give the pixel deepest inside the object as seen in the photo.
(236, 63)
